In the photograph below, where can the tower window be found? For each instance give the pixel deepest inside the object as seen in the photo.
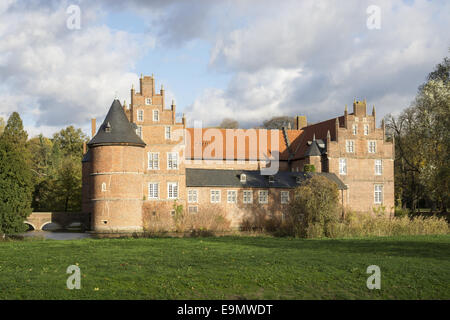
(103, 187)
(355, 129)
(172, 190)
(172, 160)
(372, 146)
(378, 167)
(378, 194)
(153, 160)
(366, 129)
(153, 190)
(350, 146)
(140, 115)
(342, 166)
(139, 131)
(155, 115)
(168, 132)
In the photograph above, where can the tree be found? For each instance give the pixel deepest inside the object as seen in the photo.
(15, 177)
(315, 205)
(70, 141)
(228, 123)
(422, 143)
(279, 122)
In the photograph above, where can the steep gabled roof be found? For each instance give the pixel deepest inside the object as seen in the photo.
(313, 150)
(116, 129)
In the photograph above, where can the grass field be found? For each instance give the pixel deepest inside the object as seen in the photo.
(413, 267)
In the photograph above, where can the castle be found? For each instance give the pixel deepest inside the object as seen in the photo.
(143, 159)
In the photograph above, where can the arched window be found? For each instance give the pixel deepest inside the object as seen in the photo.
(243, 178)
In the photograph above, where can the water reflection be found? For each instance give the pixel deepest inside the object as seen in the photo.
(57, 235)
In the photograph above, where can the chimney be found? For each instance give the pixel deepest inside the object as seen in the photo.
(300, 122)
(84, 148)
(173, 108)
(359, 108)
(93, 126)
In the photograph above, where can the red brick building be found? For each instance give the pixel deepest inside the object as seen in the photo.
(142, 159)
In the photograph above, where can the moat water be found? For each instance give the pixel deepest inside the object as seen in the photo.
(57, 235)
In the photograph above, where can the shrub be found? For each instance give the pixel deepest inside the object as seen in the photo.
(314, 206)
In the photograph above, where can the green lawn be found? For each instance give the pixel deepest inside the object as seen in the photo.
(413, 267)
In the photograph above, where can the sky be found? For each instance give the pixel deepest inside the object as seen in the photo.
(247, 60)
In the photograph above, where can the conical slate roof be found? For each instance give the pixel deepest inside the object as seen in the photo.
(116, 129)
(313, 150)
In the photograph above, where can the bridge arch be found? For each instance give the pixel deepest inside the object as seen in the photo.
(30, 225)
(50, 226)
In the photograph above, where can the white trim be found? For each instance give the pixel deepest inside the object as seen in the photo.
(151, 196)
(260, 192)
(168, 190)
(148, 160)
(193, 196)
(250, 192)
(155, 111)
(281, 197)
(232, 196)
(215, 196)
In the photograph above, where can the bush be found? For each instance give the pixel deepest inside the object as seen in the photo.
(314, 206)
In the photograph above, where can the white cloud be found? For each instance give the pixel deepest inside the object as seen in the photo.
(55, 76)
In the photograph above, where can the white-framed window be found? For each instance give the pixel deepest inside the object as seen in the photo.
(263, 196)
(153, 160)
(378, 194)
(139, 131)
(192, 196)
(243, 178)
(140, 115)
(231, 196)
(168, 132)
(148, 101)
(355, 129)
(284, 197)
(153, 190)
(378, 167)
(342, 166)
(366, 129)
(215, 196)
(248, 196)
(193, 209)
(372, 146)
(172, 160)
(350, 146)
(172, 190)
(155, 115)
(103, 187)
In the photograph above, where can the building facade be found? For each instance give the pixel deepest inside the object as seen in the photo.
(143, 162)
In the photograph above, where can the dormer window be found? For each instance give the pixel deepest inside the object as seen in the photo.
(298, 179)
(243, 178)
(271, 179)
(108, 127)
(148, 101)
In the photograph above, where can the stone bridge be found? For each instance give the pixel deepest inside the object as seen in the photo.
(61, 220)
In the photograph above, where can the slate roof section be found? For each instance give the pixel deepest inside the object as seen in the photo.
(87, 157)
(116, 129)
(231, 178)
(313, 150)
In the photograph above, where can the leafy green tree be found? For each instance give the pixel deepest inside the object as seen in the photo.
(314, 206)
(422, 143)
(15, 177)
(279, 122)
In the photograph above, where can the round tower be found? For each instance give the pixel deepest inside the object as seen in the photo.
(116, 178)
